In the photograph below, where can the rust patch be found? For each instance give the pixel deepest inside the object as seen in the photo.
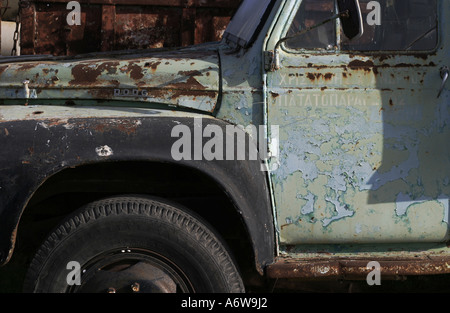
(84, 75)
(136, 72)
(423, 56)
(26, 66)
(194, 94)
(274, 94)
(128, 127)
(367, 66)
(3, 68)
(359, 63)
(55, 122)
(191, 88)
(190, 84)
(87, 73)
(190, 73)
(311, 76)
(153, 65)
(314, 76)
(133, 70)
(100, 128)
(383, 57)
(354, 268)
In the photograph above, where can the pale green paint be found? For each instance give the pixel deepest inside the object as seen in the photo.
(184, 78)
(364, 153)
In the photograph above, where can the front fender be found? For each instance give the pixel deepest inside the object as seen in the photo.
(38, 142)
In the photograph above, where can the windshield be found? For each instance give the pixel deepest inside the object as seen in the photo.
(245, 22)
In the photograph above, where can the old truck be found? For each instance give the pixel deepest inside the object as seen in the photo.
(136, 171)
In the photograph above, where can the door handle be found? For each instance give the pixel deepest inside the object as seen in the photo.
(444, 76)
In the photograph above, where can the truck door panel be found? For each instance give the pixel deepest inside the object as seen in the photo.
(363, 137)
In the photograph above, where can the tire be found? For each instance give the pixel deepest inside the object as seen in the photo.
(133, 244)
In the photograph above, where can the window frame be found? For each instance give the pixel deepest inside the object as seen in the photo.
(338, 49)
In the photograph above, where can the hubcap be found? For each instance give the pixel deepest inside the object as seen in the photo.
(132, 271)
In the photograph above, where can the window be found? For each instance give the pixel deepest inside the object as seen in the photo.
(244, 23)
(310, 13)
(389, 25)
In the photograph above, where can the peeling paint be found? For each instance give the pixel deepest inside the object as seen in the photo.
(404, 201)
(104, 151)
(362, 148)
(149, 78)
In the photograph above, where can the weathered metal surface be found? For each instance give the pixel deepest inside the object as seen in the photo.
(354, 269)
(363, 137)
(183, 78)
(363, 145)
(351, 261)
(117, 25)
(43, 140)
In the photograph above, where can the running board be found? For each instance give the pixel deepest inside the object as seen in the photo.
(346, 268)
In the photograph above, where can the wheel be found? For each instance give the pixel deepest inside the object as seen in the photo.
(133, 244)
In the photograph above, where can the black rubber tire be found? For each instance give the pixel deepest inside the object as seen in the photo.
(135, 222)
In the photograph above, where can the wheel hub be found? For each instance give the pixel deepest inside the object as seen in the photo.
(132, 271)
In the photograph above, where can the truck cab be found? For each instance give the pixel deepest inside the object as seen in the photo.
(309, 143)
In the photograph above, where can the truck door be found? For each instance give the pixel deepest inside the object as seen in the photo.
(364, 137)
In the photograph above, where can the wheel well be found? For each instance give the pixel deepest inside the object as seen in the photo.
(72, 188)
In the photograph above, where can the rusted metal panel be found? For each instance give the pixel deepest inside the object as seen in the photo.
(181, 78)
(116, 25)
(363, 152)
(176, 3)
(354, 268)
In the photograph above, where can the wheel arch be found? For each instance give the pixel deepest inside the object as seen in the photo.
(241, 183)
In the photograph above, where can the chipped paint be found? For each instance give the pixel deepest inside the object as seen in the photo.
(362, 147)
(104, 151)
(150, 78)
